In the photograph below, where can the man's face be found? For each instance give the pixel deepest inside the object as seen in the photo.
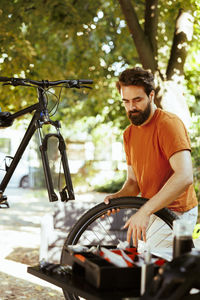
(137, 104)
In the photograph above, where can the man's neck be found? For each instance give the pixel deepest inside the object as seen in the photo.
(153, 109)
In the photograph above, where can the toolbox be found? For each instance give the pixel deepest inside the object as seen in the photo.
(92, 276)
(103, 274)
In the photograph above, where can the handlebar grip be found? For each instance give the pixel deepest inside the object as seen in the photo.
(86, 81)
(4, 79)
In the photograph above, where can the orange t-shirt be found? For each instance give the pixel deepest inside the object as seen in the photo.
(148, 149)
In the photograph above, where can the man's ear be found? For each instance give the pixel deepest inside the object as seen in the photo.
(152, 95)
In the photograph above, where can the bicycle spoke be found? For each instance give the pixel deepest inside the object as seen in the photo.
(107, 230)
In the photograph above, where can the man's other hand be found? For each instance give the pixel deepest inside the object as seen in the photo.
(137, 225)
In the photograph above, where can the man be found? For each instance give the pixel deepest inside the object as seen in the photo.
(158, 157)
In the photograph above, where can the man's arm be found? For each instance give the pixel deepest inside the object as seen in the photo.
(130, 187)
(182, 177)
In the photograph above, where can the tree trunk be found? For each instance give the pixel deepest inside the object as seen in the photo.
(151, 24)
(173, 99)
(182, 35)
(169, 91)
(141, 41)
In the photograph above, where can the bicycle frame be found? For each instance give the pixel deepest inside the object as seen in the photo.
(40, 118)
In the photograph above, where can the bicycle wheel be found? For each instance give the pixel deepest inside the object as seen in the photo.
(91, 229)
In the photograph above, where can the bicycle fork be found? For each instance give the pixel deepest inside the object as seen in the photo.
(67, 193)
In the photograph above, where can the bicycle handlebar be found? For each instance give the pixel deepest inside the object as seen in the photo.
(73, 83)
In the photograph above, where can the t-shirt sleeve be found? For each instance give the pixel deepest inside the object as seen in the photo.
(173, 137)
(126, 147)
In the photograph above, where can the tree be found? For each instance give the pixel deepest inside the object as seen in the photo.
(62, 39)
(146, 42)
(72, 38)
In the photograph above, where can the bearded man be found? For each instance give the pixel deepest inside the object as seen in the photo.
(159, 165)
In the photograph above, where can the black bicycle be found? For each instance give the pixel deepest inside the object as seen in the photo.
(40, 118)
(91, 229)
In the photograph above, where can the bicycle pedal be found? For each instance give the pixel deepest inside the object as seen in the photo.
(4, 204)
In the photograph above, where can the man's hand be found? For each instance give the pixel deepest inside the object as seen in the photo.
(107, 198)
(137, 225)
(107, 201)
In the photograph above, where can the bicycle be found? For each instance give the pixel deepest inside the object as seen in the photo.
(40, 118)
(91, 229)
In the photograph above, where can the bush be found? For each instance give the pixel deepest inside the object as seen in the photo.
(195, 142)
(111, 186)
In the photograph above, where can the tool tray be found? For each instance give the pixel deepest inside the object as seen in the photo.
(103, 274)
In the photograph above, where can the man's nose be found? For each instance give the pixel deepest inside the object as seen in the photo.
(132, 105)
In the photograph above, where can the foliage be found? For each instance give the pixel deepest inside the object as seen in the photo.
(111, 186)
(72, 38)
(62, 39)
(195, 142)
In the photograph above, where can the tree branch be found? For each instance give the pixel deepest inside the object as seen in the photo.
(182, 36)
(151, 23)
(141, 41)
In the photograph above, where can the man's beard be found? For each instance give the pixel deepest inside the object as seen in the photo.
(141, 116)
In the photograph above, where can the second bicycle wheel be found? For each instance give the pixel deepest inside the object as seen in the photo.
(92, 229)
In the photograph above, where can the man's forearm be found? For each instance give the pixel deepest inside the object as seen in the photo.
(130, 188)
(172, 189)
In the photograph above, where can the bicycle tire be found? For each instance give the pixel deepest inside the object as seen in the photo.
(92, 215)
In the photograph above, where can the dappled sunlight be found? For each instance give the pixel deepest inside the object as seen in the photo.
(9, 239)
(20, 225)
(26, 200)
(24, 255)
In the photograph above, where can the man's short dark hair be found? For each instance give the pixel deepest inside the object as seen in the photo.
(137, 76)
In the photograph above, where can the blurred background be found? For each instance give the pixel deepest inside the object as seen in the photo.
(71, 39)
(75, 39)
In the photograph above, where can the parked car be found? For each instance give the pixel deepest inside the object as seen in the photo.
(20, 177)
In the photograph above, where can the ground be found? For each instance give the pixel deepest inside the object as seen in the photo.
(15, 288)
(19, 244)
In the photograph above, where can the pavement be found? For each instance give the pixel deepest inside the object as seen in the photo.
(20, 232)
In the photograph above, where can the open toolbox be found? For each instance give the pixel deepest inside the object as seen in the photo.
(92, 275)
(100, 271)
